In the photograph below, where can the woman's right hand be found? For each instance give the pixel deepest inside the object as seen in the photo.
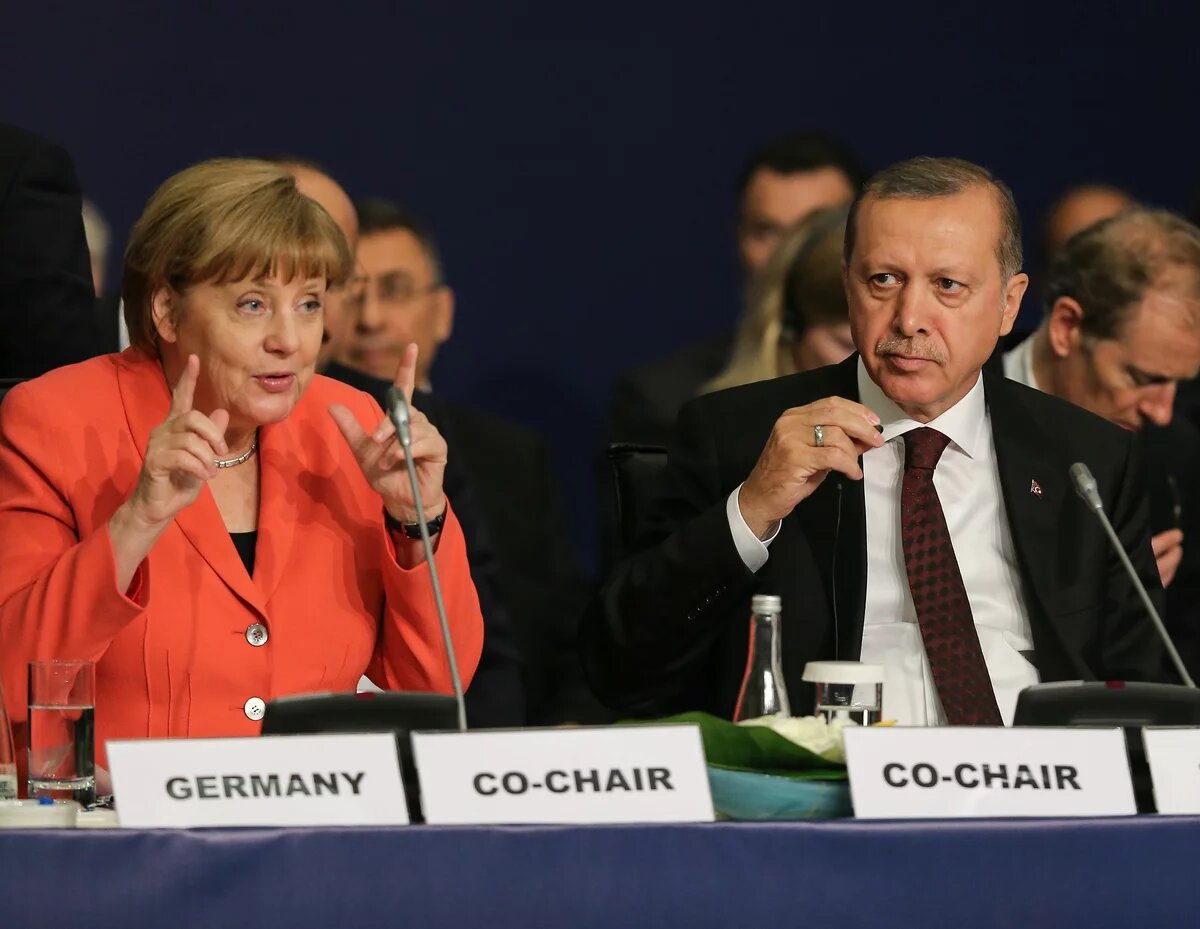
(178, 463)
(180, 455)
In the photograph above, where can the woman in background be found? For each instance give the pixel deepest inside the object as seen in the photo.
(797, 317)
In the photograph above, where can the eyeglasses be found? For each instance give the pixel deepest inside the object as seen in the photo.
(402, 290)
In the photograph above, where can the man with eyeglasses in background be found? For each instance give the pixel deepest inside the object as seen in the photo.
(505, 468)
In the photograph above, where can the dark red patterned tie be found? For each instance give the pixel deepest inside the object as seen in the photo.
(943, 611)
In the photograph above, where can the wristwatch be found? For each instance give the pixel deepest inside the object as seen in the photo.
(413, 530)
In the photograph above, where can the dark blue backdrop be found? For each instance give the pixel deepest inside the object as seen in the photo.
(576, 159)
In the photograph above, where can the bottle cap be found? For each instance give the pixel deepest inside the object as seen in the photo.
(842, 672)
(766, 603)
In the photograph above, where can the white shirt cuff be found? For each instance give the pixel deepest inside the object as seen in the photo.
(751, 548)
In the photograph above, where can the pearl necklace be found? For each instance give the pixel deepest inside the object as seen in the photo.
(234, 462)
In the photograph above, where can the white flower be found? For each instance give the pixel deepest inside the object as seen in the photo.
(810, 732)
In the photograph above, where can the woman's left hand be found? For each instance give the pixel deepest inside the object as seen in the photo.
(381, 456)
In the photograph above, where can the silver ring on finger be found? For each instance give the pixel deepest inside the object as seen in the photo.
(819, 436)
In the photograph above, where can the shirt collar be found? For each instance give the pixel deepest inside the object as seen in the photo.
(1018, 363)
(965, 423)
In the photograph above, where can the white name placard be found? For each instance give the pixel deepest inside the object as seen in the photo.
(948, 772)
(1174, 758)
(296, 780)
(622, 774)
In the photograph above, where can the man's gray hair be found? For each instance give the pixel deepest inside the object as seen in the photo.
(1108, 267)
(927, 178)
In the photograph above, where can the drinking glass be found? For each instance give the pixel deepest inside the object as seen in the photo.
(62, 710)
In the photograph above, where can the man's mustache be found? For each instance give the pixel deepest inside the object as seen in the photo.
(909, 348)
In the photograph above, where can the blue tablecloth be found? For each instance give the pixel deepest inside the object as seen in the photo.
(1134, 872)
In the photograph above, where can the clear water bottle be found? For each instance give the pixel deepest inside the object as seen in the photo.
(8, 758)
(763, 691)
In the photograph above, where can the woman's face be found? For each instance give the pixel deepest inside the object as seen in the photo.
(822, 344)
(257, 341)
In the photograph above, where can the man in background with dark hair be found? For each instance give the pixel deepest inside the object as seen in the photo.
(779, 184)
(908, 510)
(1121, 330)
(496, 696)
(504, 469)
(47, 302)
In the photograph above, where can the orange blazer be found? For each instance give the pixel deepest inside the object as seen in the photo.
(173, 656)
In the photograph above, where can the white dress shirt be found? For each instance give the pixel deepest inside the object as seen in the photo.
(968, 485)
(1018, 364)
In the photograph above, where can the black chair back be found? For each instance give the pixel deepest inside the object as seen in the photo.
(636, 474)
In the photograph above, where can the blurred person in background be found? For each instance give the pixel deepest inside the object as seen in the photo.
(314, 181)
(98, 234)
(500, 472)
(47, 301)
(496, 696)
(208, 520)
(1076, 209)
(779, 184)
(796, 314)
(1120, 332)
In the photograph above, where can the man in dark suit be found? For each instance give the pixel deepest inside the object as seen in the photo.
(46, 296)
(1121, 330)
(502, 468)
(780, 183)
(909, 511)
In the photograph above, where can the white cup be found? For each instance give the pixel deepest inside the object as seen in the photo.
(847, 690)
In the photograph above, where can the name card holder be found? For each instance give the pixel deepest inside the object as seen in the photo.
(952, 772)
(300, 780)
(1174, 758)
(620, 774)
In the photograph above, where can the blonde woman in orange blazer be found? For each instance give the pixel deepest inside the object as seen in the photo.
(201, 515)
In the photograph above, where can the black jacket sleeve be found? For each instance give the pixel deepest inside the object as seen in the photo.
(47, 316)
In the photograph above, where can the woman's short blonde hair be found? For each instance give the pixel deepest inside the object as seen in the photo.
(801, 285)
(226, 220)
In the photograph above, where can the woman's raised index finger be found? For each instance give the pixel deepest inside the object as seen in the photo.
(185, 389)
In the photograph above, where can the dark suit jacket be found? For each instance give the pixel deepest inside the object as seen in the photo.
(501, 480)
(511, 471)
(107, 325)
(646, 400)
(669, 631)
(1171, 455)
(46, 297)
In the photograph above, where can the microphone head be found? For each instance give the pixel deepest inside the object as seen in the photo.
(397, 405)
(1086, 486)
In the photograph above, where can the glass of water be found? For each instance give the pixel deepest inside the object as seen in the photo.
(62, 709)
(847, 690)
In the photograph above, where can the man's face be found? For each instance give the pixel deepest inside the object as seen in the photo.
(402, 302)
(927, 303)
(772, 202)
(1132, 377)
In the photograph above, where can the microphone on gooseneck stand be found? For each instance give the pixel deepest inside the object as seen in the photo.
(1131, 705)
(397, 410)
(1086, 487)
